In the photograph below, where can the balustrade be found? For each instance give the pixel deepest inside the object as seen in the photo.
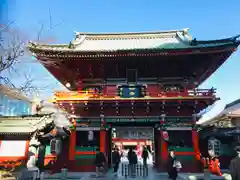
(161, 94)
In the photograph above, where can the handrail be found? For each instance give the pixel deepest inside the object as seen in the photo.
(89, 94)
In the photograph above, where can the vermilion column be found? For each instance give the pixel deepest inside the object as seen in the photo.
(164, 148)
(72, 144)
(195, 140)
(103, 140)
(26, 150)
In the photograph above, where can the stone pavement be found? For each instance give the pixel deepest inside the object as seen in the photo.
(152, 175)
(109, 176)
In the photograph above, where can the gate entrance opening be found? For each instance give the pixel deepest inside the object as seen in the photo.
(134, 138)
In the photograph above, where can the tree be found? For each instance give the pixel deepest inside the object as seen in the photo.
(14, 59)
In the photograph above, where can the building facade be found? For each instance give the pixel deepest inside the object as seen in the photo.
(13, 103)
(222, 133)
(126, 81)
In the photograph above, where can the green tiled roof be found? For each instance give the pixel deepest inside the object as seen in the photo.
(22, 125)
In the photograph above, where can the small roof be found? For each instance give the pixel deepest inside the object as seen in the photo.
(97, 42)
(231, 110)
(22, 125)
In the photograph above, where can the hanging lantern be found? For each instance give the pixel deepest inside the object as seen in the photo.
(165, 135)
(194, 117)
(147, 109)
(90, 136)
(56, 146)
(103, 122)
(132, 103)
(163, 116)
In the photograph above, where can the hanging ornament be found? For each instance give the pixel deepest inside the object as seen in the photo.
(132, 103)
(90, 70)
(194, 117)
(165, 135)
(117, 70)
(90, 136)
(163, 116)
(103, 122)
(147, 108)
(102, 69)
(117, 108)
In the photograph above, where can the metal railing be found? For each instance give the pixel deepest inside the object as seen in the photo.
(134, 170)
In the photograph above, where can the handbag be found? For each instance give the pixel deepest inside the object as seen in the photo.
(177, 164)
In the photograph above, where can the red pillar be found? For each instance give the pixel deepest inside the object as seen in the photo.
(72, 145)
(26, 150)
(195, 139)
(164, 148)
(164, 152)
(103, 140)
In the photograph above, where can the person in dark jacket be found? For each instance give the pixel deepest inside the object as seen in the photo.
(116, 158)
(100, 162)
(145, 155)
(132, 158)
(172, 171)
(235, 165)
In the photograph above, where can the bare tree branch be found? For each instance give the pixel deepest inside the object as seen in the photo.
(12, 52)
(40, 32)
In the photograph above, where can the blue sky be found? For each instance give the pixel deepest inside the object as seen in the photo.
(206, 19)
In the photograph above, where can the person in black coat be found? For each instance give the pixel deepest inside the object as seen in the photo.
(116, 158)
(172, 171)
(145, 156)
(235, 165)
(100, 161)
(133, 160)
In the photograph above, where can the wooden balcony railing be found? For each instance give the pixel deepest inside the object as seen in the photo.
(160, 94)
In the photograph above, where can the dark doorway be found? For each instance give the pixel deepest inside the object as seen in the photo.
(131, 75)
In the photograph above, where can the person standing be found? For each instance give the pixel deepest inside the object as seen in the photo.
(235, 165)
(132, 158)
(100, 162)
(145, 156)
(116, 158)
(172, 170)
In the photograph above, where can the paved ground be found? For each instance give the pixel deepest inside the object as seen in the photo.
(109, 176)
(152, 175)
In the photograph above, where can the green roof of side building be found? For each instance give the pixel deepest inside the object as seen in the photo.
(231, 110)
(23, 125)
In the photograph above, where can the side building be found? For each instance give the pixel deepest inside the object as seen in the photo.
(229, 117)
(222, 133)
(15, 128)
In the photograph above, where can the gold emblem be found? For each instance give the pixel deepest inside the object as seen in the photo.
(132, 93)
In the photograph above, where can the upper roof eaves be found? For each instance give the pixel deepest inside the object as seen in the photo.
(87, 42)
